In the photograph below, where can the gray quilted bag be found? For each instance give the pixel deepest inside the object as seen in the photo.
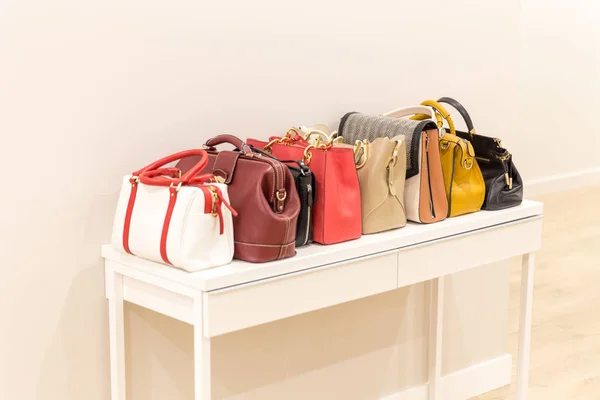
(356, 126)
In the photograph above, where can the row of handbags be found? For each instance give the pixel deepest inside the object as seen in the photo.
(310, 184)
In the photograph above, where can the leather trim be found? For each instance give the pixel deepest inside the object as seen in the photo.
(165, 229)
(127, 223)
(225, 164)
(343, 122)
(227, 138)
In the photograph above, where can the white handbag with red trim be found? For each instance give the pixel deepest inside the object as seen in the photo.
(183, 221)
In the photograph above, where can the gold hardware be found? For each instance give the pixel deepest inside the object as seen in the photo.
(504, 157)
(507, 180)
(483, 159)
(217, 179)
(510, 183)
(444, 144)
(283, 197)
(215, 201)
(365, 146)
(179, 174)
(426, 143)
(308, 154)
(267, 148)
(466, 164)
(498, 142)
(177, 188)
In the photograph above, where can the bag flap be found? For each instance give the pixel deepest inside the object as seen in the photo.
(356, 126)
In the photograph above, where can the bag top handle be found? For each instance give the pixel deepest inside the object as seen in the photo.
(441, 112)
(422, 111)
(462, 110)
(410, 110)
(234, 140)
(154, 174)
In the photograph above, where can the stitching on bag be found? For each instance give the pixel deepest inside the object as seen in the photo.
(233, 168)
(266, 245)
(287, 230)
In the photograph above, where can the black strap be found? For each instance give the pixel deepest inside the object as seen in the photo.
(459, 107)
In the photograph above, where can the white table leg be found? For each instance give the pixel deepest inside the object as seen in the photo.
(117, 338)
(436, 324)
(527, 274)
(202, 375)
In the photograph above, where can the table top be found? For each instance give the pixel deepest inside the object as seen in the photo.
(315, 255)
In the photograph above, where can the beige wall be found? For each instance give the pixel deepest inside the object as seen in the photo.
(91, 90)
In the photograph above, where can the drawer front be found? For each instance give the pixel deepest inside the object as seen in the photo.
(252, 304)
(457, 253)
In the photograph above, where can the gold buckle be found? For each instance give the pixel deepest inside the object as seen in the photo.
(466, 164)
(279, 197)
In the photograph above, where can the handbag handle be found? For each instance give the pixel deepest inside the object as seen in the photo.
(226, 138)
(425, 112)
(462, 110)
(440, 111)
(155, 175)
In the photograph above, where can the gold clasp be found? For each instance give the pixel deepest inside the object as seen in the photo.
(363, 145)
(215, 200)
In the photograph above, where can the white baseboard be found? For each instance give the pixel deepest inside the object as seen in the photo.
(466, 383)
(561, 182)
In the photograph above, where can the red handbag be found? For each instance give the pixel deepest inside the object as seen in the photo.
(337, 211)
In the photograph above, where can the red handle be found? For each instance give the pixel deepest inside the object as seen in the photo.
(225, 138)
(153, 174)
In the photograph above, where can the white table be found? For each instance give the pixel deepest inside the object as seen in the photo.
(241, 295)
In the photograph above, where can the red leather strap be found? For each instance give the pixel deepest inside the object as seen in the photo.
(226, 138)
(165, 230)
(149, 171)
(134, 183)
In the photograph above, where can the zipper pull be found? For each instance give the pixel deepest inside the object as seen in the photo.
(281, 195)
(426, 142)
(310, 194)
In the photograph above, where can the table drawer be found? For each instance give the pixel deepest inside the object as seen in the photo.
(458, 253)
(268, 300)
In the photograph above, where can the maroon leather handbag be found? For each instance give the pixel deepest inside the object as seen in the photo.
(262, 191)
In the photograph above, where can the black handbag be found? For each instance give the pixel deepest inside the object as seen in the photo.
(503, 183)
(305, 184)
(306, 187)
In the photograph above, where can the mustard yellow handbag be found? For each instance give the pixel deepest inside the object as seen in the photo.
(465, 187)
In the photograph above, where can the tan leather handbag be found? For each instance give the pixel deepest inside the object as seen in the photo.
(381, 176)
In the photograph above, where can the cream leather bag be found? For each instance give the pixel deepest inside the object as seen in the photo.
(182, 221)
(381, 175)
